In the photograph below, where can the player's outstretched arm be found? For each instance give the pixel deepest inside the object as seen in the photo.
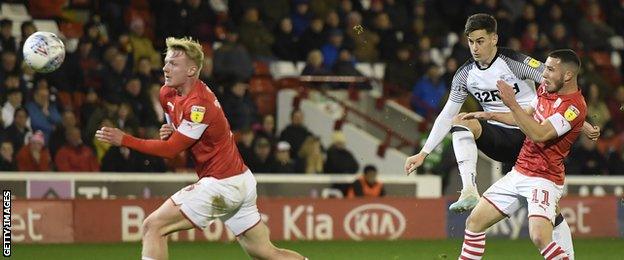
(503, 117)
(163, 148)
(531, 128)
(441, 127)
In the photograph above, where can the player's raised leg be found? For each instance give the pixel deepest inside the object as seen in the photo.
(162, 222)
(464, 133)
(257, 244)
(483, 216)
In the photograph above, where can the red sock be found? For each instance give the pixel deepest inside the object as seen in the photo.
(474, 246)
(554, 251)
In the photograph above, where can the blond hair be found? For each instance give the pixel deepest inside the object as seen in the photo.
(191, 48)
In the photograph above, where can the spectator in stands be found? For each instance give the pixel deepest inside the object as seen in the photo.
(592, 29)
(44, 115)
(286, 43)
(314, 64)
(331, 49)
(585, 159)
(232, 59)
(26, 29)
(339, 158)
(400, 70)
(428, 92)
(106, 110)
(197, 20)
(114, 75)
(7, 41)
(74, 156)
(141, 45)
(262, 160)
(295, 133)
(7, 159)
(254, 36)
(383, 27)
(34, 156)
(559, 38)
(301, 16)
(88, 106)
(126, 118)
(312, 38)
(19, 130)
(95, 32)
(616, 109)
(14, 101)
(461, 51)
(245, 145)
(345, 65)
(122, 159)
(367, 185)
(138, 101)
(283, 163)
(145, 73)
(59, 135)
(8, 61)
(310, 156)
(267, 129)
(597, 112)
(238, 106)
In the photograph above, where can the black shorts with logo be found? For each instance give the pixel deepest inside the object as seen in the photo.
(500, 143)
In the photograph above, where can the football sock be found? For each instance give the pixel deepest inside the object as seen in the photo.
(554, 251)
(474, 245)
(465, 149)
(563, 236)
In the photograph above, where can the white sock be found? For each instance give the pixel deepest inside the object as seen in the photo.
(147, 258)
(563, 236)
(465, 149)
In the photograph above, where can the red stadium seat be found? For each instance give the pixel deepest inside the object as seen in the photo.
(46, 8)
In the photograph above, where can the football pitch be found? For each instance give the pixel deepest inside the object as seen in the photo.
(403, 249)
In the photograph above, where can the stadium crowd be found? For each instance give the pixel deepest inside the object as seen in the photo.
(113, 74)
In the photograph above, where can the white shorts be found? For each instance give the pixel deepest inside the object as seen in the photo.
(233, 200)
(542, 195)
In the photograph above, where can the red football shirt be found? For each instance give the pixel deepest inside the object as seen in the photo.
(567, 114)
(199, 116)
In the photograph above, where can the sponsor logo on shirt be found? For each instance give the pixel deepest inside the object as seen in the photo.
(197, 113)
(571, 113)
(533, 63)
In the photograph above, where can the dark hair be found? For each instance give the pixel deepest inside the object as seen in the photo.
(567, 56)
(480, 22)
(369, 168)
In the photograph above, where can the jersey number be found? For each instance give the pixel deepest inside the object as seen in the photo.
(544, 199)
(492, 95)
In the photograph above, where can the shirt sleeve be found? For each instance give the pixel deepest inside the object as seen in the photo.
(196, 118)
(442, 125)
(567, 116)
(525, 67)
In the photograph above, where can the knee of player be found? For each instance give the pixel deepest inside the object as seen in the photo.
(473, 225)
(150, 224)
(539, 238)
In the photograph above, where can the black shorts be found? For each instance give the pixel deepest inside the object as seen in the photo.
(500, 143)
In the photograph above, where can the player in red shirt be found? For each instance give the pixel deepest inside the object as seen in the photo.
(551, 124)
(226, 188)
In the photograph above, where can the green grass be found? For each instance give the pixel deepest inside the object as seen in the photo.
(416, 249)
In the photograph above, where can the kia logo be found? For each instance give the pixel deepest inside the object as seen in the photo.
(378, 221)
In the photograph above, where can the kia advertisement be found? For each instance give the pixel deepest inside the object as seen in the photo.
(120, 220)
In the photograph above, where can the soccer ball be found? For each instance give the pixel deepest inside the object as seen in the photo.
(44, 52)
